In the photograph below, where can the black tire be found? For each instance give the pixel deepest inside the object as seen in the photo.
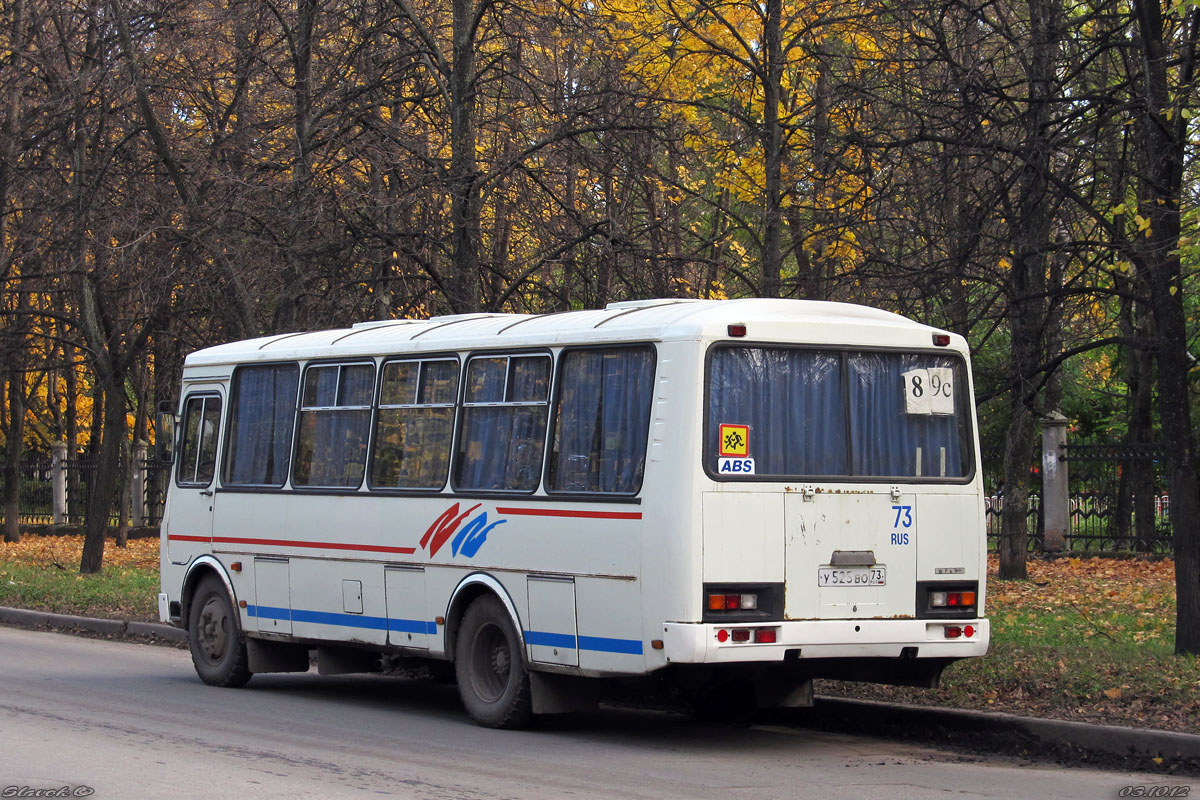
(488, 665)
(214, 636)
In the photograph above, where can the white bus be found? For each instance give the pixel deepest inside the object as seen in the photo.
(735, 496)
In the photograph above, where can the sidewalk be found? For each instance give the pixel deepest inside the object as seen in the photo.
(1107, 746)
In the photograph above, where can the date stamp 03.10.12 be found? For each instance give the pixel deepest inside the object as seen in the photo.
(1155, 790)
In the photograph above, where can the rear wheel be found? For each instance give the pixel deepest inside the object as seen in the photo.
(491, 674)
(217, 645)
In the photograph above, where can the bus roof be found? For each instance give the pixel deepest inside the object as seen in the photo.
(766, 320)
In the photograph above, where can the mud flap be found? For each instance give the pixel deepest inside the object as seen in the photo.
(560, 694)
(267, 656)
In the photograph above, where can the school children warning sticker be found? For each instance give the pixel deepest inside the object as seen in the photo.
(735, 441)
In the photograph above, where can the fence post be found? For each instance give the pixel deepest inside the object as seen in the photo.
(58, 483)
(139, 483)
(1056, 504)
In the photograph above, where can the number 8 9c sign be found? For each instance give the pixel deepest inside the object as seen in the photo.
(929, 391)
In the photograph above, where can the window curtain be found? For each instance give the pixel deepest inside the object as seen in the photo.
(502, 445)
(886, 439)
(264, 410)
(792, 401)
(603, 416)
(332, 450)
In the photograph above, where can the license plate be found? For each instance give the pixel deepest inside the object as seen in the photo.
(851, 576)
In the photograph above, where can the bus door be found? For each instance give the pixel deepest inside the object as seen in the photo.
(195, 473)
(850, 555)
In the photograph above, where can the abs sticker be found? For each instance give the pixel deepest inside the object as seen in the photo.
(735, 466)
(735, 441)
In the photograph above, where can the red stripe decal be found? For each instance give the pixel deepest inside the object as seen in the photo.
(564, 512)
(178, 538)
(368, 548)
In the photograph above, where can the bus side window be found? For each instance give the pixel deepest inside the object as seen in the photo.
(262, 413)
(415, 424)
(198, 458)
(504, 423)
(335, 417)
(602, 420)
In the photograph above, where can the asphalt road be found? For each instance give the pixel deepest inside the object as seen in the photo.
(87, 717)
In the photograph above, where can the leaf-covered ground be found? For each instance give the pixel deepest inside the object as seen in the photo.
(1083, 639)
(42, 573)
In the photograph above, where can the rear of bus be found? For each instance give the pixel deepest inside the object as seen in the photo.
(841, 508)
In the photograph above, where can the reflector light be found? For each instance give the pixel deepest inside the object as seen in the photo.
(941, 339)
(953, 631)
(765, 636)
(969, 631)
(722, 635)
(741, 635)
(737, 330)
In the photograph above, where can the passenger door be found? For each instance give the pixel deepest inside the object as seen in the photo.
(195, 472)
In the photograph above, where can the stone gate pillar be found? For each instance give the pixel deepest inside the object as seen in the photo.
(1056, 505)
(58, 483)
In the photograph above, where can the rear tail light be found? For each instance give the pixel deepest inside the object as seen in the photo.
(744, 635)
(955, 599)
(736, 603)
(956, 631)
(732, 602)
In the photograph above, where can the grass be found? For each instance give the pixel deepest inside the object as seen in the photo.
(1084, 639)
(42, 573)
(1087, 639)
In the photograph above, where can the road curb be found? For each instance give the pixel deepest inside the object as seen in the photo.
(1105, 745)
(105, 627)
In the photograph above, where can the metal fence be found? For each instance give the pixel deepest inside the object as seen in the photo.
(1102, 504)
(36, 491)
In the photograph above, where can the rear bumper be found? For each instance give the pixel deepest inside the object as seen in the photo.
(699, 643)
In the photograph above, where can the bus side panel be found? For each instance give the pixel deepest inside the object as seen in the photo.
(671, 562)
(953, 552)
(610, 634)
(743, 537)
(338, 600)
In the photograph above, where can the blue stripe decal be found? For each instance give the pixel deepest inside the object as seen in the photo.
(547, 639)
(268, 612)
(343, 620)
(411, 626)
(346, 620)
(603, 644)
(600, 644)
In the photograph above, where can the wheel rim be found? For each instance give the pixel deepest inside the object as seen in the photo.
(491, 660)
(212, 631)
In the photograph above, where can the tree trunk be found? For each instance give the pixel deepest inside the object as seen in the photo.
(465, 201)
(772, 144)
(1030, 237)
(14, 436)
(104, 478)
(1162, 131)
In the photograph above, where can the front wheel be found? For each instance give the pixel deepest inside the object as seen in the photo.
(488, 666)
(217, 645)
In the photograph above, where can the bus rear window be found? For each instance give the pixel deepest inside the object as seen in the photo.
(783, 413)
